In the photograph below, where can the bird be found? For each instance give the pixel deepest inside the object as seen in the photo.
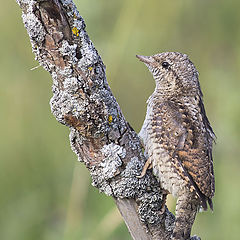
(178, 138)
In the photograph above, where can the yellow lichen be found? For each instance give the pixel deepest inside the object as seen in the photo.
(90, 68)
(110, 119)
(75, 31)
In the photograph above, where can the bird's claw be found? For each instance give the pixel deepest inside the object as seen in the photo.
(148, 165)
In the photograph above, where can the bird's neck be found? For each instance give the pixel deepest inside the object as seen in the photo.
(159, 96)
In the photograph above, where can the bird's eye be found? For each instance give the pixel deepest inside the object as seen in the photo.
(165, 64)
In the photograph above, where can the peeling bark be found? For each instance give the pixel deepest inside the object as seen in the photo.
(99, 134)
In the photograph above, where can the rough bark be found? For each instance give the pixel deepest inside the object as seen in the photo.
(99, 134)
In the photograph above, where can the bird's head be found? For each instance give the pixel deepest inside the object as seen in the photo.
(173, 72)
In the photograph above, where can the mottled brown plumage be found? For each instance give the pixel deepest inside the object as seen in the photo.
(178, 138)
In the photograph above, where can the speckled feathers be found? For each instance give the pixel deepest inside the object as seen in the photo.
(177, 121)
(177, 134)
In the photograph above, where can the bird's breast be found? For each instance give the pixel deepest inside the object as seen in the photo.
(161, 158)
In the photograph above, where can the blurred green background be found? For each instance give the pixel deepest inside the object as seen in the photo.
(45, 194)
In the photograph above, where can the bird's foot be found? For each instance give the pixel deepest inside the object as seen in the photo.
(148, 165)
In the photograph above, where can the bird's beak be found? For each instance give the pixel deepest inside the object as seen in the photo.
(145, 59)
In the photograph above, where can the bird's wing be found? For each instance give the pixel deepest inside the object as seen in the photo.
(188, 143)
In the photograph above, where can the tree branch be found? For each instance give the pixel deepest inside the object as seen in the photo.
(99, 134)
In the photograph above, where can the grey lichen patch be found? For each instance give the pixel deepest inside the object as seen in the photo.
(146, 190)
(68, 2)
(195, 238)
(169, 221)
(55, 87)
(149, 208)
(34, 27)
(134, 144)
(45, 63)
(66, 72)
(67, 100)
(71, 85)
(76, 139)
(74, 16)
(29, 3)
(108, 169)
(88, 51)
(130, 186)
(76, 23)
(63, 103)
(54, 104)
(133, 168)
(99, 182)
(69, 50)
(74, 12)
(110, 165)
